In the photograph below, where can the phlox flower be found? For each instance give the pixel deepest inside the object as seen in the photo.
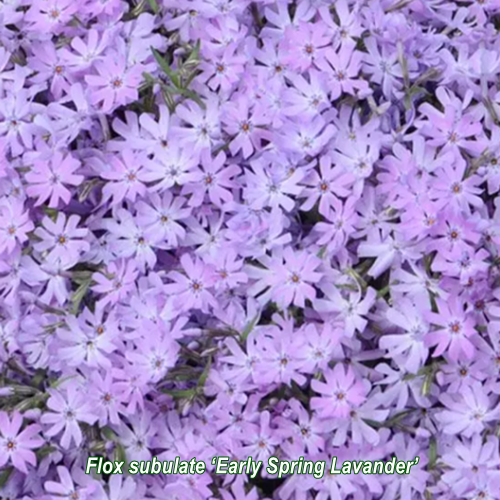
(450, 188)
(138, 438)
(322, 345)
(305, 45)
(47, 180)
(62, 239)
(85, 51)
(281, 355)
(116, 83)
(407, 347)
(246, 125)
(80, 345)
(192, 289)
(125, 173)
(17, 445)
(201, 129)
(154, 354)
(452, 129)
(259, 438)
(469, 455)
(383, 66)
(214, 179)
(77, 484)
(348, 27)
(468, 412)
(116, 282)
(392, 251)
(224, 68)
(306, 98)
(107, 398)
(14, 225)
(67, 407)
(48, 277)
(290, 276)
(153, 137)
(271, 187)
(50, 16)
(351, 309)
(167, 170)
(340, 393)
(238, 492)
(325, 186)
(343, 67)
(128, 240)
(407, 485)
(228, 269)
(303, 434)
(48, 64)
(341, 219)
(455, 327)
(161, 218)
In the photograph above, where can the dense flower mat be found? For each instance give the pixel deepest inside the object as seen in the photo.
(249, 229)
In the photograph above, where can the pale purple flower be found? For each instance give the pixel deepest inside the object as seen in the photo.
(49, 178)
(62, 238)
(67, 408)
(17, 445)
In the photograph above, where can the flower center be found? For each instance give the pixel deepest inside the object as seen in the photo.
(117, 83)
(245, 127)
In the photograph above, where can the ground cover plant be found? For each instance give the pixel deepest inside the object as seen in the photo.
(249, 229)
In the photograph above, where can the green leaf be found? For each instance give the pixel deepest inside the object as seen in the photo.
(195, 53)
(4, 476)
(154, 6)
(109, 434)
(174, 77)
(44, 452)
(322, 252)
(432, 453)
(79, 295)
(248, 328)
(193, 96)
(87, 188)
(120, 455)
(60, 381)
(150, 79)
(204, 375)
(180, 394)
(51, 212)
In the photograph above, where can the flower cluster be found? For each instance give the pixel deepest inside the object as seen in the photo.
(249, 229)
